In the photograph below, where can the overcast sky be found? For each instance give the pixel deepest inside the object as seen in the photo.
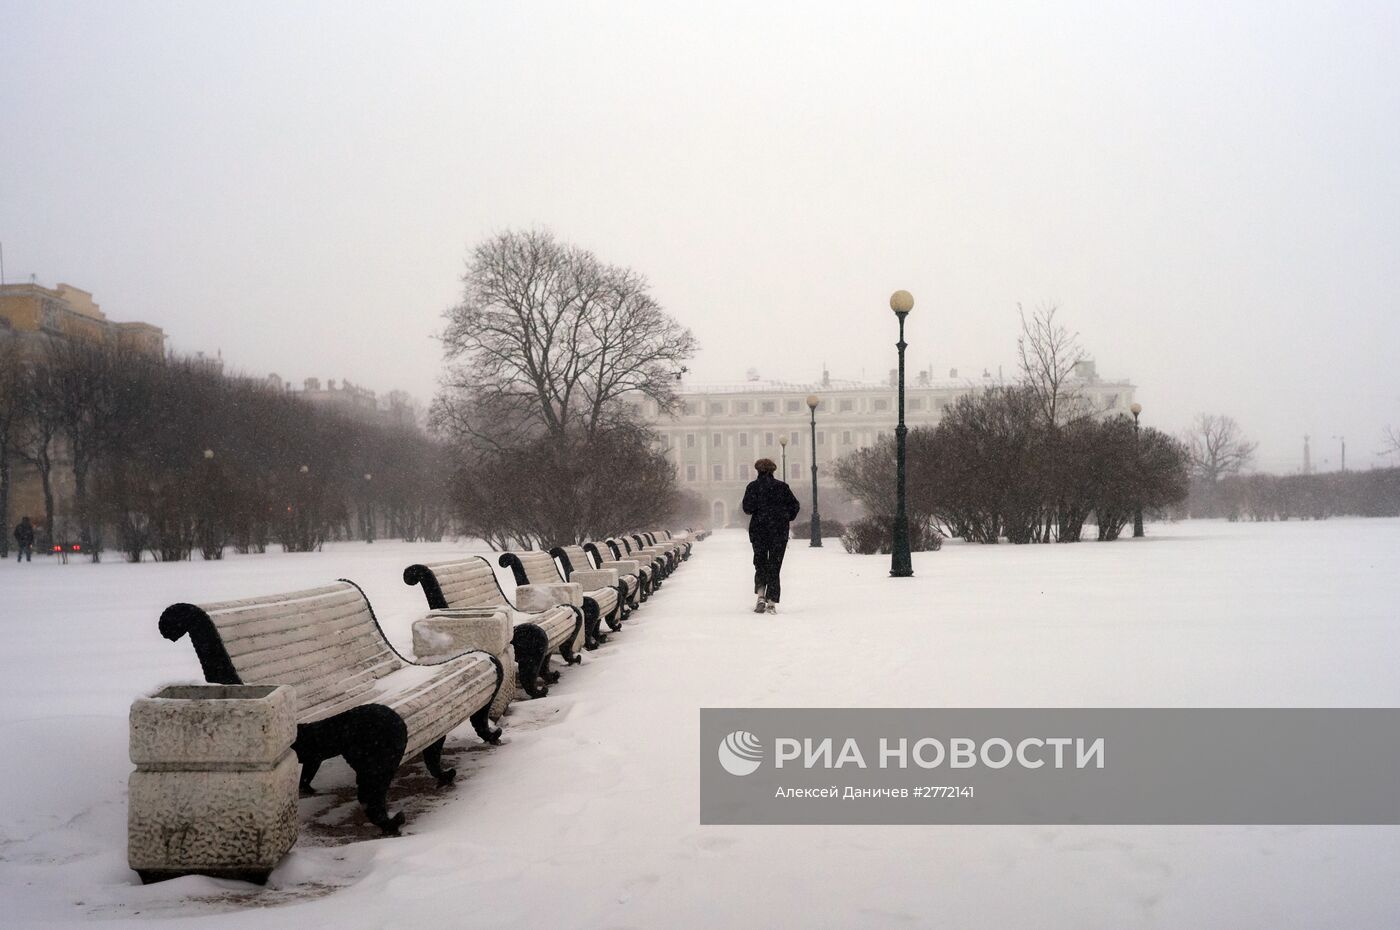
(1210, 192)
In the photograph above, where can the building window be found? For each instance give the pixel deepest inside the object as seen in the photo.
(821, 437)
(848, 405)
(690, 472)
(792, 406)
(846, 438)
(690, 440)
(880, 404)
(743, 440)
(795, 438)
(916, 403)
(741, 407)
(716, 408)
(688, 409)
(717, 440)
(1112, 401)
(796, 470)
(770, 406)
(718, 472)
(767, 440)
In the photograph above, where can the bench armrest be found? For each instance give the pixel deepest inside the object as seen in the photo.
(533, 598)
(623, 566)
(443, 634)
(594, 578)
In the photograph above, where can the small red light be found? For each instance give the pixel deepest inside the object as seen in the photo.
(77, 548)
(57, 548)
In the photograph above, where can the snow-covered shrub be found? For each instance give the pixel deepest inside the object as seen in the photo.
(831, 529)
(870, 535)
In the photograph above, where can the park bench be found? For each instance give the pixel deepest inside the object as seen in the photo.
(543, 621)
(664, 554)
(579, 559)
(675, 551)
(605, 555)
(355, 695)
(601, 597)
(680, 539)
(653, 567)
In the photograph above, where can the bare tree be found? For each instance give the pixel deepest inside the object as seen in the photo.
(547, 338)
(1048, 353)
(1390, 441)
(11, 400)
(1217, 447)
(82, 375)
(40, 426)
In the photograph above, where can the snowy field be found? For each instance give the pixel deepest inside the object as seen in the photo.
(587, 814)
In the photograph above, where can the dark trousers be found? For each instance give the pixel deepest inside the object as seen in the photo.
(769, 546)
(26, 553)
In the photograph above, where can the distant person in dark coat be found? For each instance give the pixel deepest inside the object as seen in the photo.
(772, 506)
(24, 535)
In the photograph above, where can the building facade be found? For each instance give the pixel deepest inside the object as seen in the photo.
(721, 429)
(69, 312)
(394, 409)
(30, 313)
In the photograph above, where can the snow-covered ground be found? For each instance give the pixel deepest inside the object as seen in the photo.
(587, 814)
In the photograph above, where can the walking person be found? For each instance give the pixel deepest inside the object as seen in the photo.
(771, 506)
(24, 535)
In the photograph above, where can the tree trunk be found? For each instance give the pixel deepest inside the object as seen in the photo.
(80, 504)
(45, 478)
(4, 504)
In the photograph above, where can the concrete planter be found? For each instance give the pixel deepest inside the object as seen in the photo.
(537, 598)
(215, 786)
(443, 634)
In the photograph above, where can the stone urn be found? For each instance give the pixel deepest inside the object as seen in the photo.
(446, 633)
(215, 786)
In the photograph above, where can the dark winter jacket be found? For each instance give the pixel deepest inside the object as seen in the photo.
(24, 533)
(770, 503)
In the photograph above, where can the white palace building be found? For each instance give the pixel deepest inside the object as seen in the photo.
(722, 428)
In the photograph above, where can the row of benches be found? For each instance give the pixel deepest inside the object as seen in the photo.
(359, 698)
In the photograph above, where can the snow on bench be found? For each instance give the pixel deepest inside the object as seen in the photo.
(599, 587)
(665, 559)
(605, 555)
(544, 620)
(356, 696)
(682, 539)
(674, 552)
(574, 559)
(653, 566)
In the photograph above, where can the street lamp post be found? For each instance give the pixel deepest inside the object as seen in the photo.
(783, 441)
(901, 563)
(816, 514)
(1137, 463)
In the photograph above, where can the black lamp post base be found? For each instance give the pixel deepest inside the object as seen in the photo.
(816, 532)
(901, 563)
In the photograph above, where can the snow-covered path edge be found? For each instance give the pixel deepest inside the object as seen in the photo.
(587, 816)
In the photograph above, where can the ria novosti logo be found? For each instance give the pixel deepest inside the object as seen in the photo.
(740, 753)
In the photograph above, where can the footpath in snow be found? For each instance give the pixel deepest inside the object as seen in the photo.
(587, 814)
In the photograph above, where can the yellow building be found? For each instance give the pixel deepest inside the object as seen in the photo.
(70, 312)
(28, 313)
